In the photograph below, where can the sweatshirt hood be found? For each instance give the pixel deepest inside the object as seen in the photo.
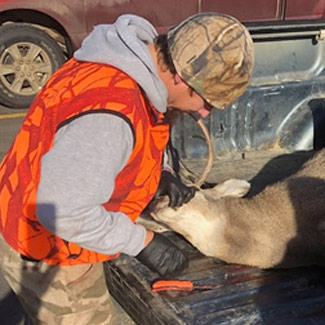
(124, 46)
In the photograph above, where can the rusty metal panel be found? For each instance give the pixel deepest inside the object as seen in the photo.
(281, 110)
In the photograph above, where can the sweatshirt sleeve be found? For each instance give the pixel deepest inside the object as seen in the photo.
(78, 176)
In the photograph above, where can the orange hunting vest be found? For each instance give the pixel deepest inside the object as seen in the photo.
(76, 89)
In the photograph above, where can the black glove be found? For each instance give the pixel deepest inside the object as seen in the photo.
(177, 192)
(163, 257)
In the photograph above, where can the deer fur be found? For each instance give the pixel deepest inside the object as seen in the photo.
(282, 226)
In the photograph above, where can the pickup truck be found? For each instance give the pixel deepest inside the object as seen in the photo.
(264, 136)
(37, 36)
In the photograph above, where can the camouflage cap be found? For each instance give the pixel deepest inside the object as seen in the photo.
(214, 54)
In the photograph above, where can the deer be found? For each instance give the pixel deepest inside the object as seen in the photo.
(282, 226)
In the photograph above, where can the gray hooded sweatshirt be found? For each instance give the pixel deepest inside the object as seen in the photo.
(78, 173)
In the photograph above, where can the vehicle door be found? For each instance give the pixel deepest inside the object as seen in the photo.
(304, 9)
(161, 13)
(248, 10)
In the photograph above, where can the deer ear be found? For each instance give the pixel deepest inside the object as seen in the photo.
(231, 187)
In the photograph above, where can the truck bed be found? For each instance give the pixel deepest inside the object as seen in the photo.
(245, 295)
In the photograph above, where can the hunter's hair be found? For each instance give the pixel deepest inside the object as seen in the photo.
(161, 45)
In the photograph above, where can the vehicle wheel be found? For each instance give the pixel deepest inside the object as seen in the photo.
(28, 57)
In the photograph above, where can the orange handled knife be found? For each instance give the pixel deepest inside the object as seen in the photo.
(181, 285)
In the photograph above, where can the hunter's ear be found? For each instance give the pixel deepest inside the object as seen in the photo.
(177, 79)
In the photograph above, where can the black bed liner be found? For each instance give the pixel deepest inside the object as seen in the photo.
(246, 295)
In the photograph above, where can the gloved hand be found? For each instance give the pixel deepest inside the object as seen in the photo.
(177, 192)
(162, 256)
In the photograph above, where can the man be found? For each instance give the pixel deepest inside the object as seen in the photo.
(88, 158)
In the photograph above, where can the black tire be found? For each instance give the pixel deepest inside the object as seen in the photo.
(28, 57)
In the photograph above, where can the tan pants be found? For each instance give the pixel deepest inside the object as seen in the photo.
(58, 295)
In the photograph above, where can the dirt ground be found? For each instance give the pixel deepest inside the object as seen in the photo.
(259, 167)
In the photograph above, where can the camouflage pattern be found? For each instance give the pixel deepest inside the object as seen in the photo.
(57, 295)
(214, 54)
